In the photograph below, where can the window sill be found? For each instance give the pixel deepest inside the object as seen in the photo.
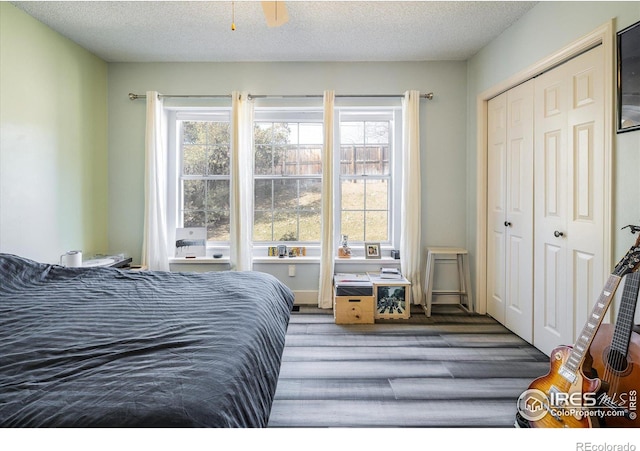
(285, 260)
(368, 261)
(352, 260)
(288, 260)
(200, 260)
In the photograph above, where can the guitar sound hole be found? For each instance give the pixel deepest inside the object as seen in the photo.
(617, 360)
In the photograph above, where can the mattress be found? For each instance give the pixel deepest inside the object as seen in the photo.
(104, 347)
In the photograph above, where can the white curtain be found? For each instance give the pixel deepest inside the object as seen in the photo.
(327, 256)
(154, 246)
(410, 227)
(241, 220)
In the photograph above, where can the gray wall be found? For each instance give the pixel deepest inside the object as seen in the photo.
(443, 136)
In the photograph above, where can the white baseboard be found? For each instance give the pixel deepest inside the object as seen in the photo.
(306, 297)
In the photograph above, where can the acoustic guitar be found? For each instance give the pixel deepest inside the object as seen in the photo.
(616, 358)
(565, 397)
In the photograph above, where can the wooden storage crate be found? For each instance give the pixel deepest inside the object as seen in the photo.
(353, 309)
(391, 298)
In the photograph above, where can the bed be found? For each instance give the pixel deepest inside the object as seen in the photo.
(104, 347)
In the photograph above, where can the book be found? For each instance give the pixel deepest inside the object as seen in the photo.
(390, 273)
(344, 278)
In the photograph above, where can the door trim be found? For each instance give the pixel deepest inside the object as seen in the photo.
(603, 35)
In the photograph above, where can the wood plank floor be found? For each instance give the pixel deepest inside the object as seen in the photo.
(454, 369)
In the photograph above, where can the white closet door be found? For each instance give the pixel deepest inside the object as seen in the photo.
(585, 226)
(496, 205)
(569, 200)
(510, 203)
(519, 217)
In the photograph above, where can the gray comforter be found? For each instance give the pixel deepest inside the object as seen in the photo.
(102, 347)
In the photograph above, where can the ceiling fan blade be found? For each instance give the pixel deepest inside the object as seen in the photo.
(275, 12)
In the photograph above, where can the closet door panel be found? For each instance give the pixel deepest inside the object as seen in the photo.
(552, 199)
(569, 226)
(553, 321)
(496, 204)
(551, 313)
(585, 225)
(584, 276)
(517, 300)
(519, 250)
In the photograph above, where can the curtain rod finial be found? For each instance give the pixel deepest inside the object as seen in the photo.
(133, 96)
(429, 95)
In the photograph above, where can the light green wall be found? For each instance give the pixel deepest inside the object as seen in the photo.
(53, 148)
(443, 136)
(544, 30)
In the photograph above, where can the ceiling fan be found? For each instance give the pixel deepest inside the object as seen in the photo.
(275, 12)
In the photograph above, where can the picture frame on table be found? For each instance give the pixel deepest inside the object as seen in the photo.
(628, 47)
(372, 250)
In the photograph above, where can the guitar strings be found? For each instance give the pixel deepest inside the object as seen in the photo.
(618, 364)
(612, 360)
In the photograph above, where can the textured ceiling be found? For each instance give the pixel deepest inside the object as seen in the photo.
(181, 31)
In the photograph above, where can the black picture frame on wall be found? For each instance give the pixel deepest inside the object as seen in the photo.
(629, 78)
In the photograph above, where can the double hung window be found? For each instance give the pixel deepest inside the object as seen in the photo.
(368, 155)
(287, 176)
(204, 176)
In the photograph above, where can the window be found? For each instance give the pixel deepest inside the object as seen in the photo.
(287, 176)
(367, 151)
(204, 173)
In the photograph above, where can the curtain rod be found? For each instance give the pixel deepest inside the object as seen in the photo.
(133, 96)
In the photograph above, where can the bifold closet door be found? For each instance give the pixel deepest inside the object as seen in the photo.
(569, 199)
(496, 205)
(510, 203)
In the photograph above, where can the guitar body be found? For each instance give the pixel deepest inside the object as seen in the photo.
(621, 374)
(567, 415)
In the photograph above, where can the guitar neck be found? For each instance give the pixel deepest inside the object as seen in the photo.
(624, 321)
(581, 347)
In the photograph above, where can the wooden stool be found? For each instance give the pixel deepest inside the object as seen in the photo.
(464, 278)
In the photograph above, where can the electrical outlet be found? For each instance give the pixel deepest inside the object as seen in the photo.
(292, 270)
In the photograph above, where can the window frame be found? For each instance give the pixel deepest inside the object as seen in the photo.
(175, 168)
(299, 115)
(372, 113)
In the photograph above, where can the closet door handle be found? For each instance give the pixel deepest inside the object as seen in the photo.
(558, 234)
(507, 224)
